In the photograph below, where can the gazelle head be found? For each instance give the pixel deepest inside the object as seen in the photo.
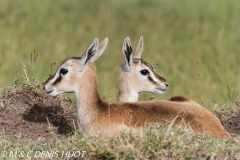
(73, 69)
(138, 75)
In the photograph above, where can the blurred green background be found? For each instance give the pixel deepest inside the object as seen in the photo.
(194, 45)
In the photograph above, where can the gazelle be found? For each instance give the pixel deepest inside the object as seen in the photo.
(78, 75)
(137, 75)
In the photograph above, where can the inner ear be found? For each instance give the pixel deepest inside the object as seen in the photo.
(127, 53)
(89, 54)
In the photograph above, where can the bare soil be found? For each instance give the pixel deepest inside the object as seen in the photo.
(32, 114)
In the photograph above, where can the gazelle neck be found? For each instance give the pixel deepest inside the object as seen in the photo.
(87, 97)
(126, 91)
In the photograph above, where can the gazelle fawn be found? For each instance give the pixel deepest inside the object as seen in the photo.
(137, 75)
(77, 75)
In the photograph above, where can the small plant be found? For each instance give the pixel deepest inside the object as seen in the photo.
(49, 128)
(231, 95)
(29, 74)
(151, 98)
(52, 64)
(70, 99)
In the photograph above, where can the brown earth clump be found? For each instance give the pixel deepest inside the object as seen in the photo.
(232, 122)
(30, 113)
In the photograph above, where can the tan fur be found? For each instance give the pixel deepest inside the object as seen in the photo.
(183, 100)
(132, 81)
(129, 82)
(97, 116)
(77, 75)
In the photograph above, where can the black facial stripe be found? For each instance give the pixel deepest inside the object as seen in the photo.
(147, 64)
(50, 78)
(161, 78)
(150, 79)
(128, 52)
(135, 60)
(151, 68)
(58, 79)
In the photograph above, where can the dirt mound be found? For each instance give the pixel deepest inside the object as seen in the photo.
(31, 113)
(232, 122)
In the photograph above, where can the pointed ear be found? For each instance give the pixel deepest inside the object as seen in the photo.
(100, 50)
(90, 54)
(139, 49)
(127, 53)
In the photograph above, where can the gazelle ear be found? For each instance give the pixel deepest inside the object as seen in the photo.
(90, 54)
(100, 50)
(127, 53)
(139, 49)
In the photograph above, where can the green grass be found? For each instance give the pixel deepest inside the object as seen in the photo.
(157, 142)
(194, 43)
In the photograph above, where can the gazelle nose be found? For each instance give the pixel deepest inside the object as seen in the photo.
(166, 84)
(43, 87)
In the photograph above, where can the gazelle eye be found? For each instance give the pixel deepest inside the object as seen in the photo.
(144, 72)
(63, 71)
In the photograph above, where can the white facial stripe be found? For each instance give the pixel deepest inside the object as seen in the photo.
(56, 77)
(58, 74)
(157, 83)
(51, 87)
(153, 76)
(51, 80)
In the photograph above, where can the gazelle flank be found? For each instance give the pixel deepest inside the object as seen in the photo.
(137, 75)
(78, 75)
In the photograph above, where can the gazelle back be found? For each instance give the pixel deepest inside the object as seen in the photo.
(77, 75)
(137, 75)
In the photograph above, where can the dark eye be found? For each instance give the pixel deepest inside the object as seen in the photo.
(144, 72)
(63, 71)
